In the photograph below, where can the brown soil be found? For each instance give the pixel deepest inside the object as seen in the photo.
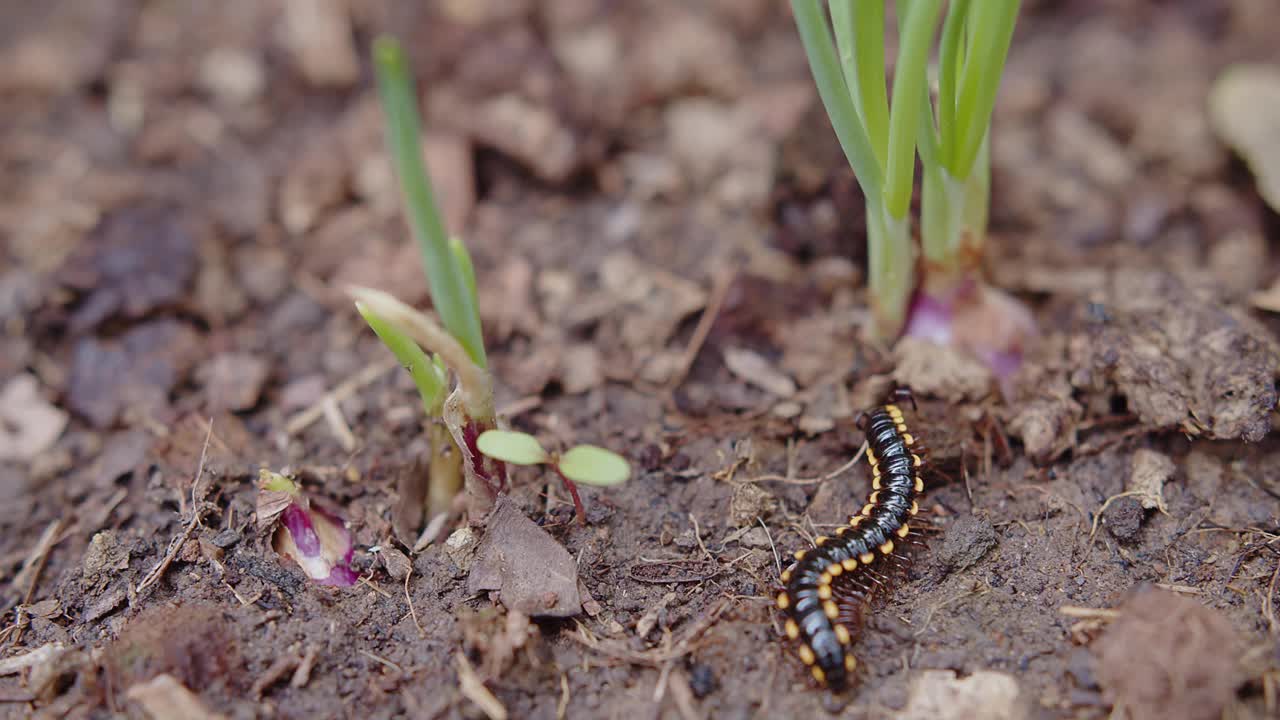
(186, 187)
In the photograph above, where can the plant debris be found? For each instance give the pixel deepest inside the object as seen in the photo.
(1169, 656)
(529, 570)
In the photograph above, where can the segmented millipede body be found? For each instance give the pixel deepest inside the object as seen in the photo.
(825, 587)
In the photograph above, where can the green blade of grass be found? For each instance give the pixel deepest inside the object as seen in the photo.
(991, 23)
(910, 88)
(950, 64)
(448, 286)
(859, 31)
(462, 259)
(427, 375)
(834, 91)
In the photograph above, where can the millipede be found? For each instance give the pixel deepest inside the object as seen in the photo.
(827, 586)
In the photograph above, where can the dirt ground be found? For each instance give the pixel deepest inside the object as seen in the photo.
(670, 248)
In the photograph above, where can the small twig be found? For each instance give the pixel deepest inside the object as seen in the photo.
(1268, 603)
(304, 418)
(1097, 518)
(338, 424)
(697, 534)
(562, 707)
(776, 559)
(421, 633)
(473, 689)
(375, 588)
(1088, 613)
(719, 291)
(382, 661)
(197, 512)
(811, 481)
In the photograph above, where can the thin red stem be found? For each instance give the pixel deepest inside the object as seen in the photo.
(577, 501)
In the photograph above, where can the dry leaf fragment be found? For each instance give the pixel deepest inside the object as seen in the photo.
(1147, 473)
(755, 370)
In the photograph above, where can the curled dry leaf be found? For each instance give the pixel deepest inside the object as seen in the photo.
(1148, 472)
(531, 572)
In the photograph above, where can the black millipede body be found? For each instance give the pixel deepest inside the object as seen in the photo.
(826, 585)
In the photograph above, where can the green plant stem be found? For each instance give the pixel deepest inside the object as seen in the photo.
(954, 221)
(891, 261)
(445, 469)
(448, 285)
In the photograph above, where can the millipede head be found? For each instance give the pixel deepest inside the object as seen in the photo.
(903, 394)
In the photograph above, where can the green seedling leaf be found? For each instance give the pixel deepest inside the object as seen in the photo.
(427, 375)
(591, 465)
(516, 448)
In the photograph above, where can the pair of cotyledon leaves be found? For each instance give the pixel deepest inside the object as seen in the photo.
(584, 464)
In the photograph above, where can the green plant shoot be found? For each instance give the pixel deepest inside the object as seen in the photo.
(881, 132)
(584, 464)
(449, 272)
(428, 375)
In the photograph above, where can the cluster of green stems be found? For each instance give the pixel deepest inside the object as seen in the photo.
(881, 138)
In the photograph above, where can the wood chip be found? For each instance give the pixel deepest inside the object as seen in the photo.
(755, 370)
(164, 698)
(40, 656)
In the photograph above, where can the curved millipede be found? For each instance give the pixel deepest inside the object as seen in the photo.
(827, 584)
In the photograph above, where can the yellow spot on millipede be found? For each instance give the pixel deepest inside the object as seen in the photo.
(919, 485)
(822, 540)
(875, 497)
(915, 507)
(786, 576)
(887, 547)
(904, 531)
(806, 655)
(850, 564)
(842, 634)
(831, 609)
(792, 630)
(855, 520)
(824, 579)
(866, 509)
(867, 558)
(850, 663)
(916, 460)
(824, 592)
(784, 602)
(875, 483)
(902, 427)
(834, 569)
(906, 438)
(799, 555)
(893, 409)
(818, 674)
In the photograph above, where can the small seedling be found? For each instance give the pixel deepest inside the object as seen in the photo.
(318, 541)
(460, 416)
(582, 464)
(949, 302)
